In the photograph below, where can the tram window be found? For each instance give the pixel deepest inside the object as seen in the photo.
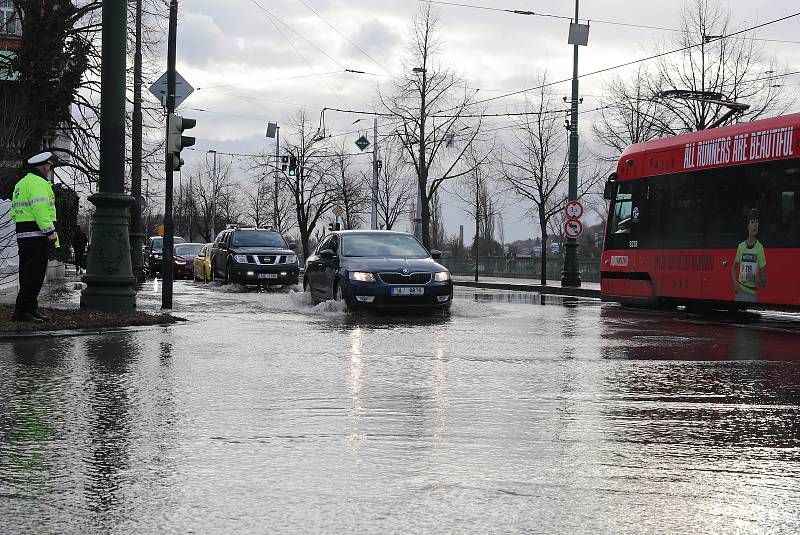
(621, 216)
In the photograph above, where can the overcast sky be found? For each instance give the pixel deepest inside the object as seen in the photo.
(247, 72)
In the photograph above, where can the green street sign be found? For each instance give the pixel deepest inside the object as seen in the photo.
(362, 143)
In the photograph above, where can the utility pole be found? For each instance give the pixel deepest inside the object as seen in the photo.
(375, 175)
(277, 176)
(136, 232)
(477, 223)
(570, 275)
(169, 231)
(213, 231)
(109, 276)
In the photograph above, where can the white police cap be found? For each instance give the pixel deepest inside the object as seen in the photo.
(40, 158)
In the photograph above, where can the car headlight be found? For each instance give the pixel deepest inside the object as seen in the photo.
(291, 259)
(442, 276)
(240, 258)
(362, 276)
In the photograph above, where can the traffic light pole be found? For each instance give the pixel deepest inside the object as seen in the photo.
(108, 275)
(375, 175)
(169, 165)
(570, 275)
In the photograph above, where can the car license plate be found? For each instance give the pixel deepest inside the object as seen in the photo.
(267, 275)
(408, 290)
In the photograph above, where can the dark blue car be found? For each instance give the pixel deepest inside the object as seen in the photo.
(377, 269)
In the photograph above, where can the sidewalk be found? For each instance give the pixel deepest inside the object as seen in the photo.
(587, 289)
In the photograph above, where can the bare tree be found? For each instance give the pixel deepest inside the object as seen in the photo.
(258, 202)
(628, 114)
(203, 197)
(731, 67)
(536, 168)
(431, 108)
(483, 200)
(310, 189)
(396, 184)
(351, 192)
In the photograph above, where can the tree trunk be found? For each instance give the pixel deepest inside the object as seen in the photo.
(544, 254)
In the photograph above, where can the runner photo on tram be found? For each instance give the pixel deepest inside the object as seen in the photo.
(750, 263)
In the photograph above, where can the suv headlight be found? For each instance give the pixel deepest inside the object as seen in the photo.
(240, 258)
(291, 259)
(442, 276)
(362, 276)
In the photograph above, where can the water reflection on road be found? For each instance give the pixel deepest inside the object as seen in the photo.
(515, 413)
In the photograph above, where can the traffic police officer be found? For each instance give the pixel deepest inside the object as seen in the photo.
(33, 209)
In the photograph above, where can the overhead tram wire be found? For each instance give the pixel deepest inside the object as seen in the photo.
(345, 37)
(565, 17)
(272, 18)
(270, 81)
(634, 62)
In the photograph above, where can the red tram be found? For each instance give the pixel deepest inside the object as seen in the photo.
(709, 218)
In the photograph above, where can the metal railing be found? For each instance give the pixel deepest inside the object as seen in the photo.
(521, 267)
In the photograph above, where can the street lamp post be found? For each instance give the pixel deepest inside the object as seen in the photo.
(273, 130)
(109, 275)
(213, 229)
(570, 275)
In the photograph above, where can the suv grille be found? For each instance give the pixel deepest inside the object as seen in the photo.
(399, 278)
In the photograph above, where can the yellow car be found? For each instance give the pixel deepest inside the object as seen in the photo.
(202, 264)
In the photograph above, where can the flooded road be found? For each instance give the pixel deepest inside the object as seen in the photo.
(515, 413)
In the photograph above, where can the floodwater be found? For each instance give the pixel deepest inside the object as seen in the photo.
(515, 413)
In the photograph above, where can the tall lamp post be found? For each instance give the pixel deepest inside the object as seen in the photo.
(109, 275)
(274, 131)
(578, 36)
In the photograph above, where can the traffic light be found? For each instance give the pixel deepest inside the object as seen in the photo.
(284, 161)
(292, 166)
(175, 140)
(176, 161)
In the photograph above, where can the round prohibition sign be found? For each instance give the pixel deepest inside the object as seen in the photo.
(573, 229)
(574, 210)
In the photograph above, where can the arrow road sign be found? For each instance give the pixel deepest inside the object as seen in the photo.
(182, 89)
(362, 143)
(573, 228)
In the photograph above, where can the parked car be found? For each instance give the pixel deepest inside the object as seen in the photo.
(377, 269)
(183, 259)
(202, 264)
(154, 252)
(258, 256)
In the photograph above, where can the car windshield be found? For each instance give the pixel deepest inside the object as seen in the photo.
(382, 246)
(158, 243)
(257, 238)
(188, 249)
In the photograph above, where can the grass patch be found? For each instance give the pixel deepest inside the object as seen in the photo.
(72, 319)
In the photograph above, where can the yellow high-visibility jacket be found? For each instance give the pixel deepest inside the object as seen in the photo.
(33, 208)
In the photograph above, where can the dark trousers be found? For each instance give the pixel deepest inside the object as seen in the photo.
(78, 261)
(33, 256)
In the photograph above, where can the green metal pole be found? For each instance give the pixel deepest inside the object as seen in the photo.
(137, 231)
(570, 275)
(109, 276)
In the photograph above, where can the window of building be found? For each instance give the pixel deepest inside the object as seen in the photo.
(9, 23)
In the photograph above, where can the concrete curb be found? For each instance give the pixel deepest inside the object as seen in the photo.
(535, 288)
(20, 335)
